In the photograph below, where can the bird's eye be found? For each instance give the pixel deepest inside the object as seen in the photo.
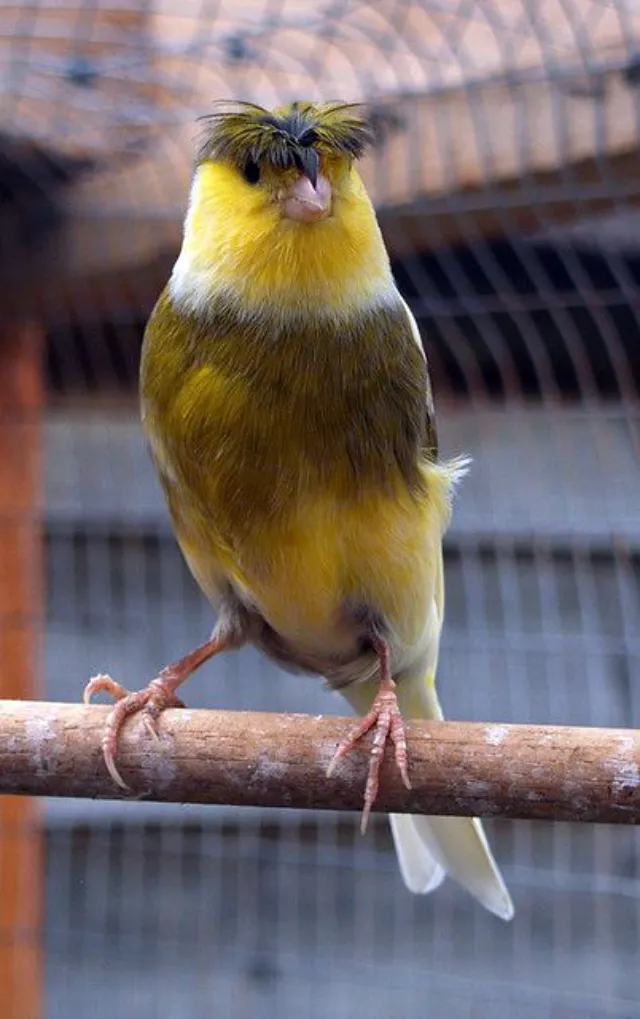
(251, 172)
(309, 137)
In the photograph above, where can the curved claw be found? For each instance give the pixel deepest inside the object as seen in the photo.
(98, 684)
(112, 769)
(103, 682)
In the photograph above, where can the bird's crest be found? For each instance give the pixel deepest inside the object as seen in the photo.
(291, 136)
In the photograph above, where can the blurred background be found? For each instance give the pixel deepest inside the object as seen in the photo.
(507, 179)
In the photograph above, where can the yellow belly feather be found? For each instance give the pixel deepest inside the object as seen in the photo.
(326, 554)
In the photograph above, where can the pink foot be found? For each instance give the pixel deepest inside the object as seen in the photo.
(386, 720)
(159, 695)
(151, 701)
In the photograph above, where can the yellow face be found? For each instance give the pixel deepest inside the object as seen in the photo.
(262, 196)
(283, 236)
(290, 192)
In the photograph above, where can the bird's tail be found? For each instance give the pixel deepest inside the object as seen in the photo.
(429, 848)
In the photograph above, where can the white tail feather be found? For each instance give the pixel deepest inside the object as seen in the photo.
(420, 872)
(430, 847)
(457, 846)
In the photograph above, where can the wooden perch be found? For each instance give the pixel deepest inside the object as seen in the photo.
(269, 760)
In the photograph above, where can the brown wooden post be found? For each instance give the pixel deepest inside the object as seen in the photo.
(21, 592)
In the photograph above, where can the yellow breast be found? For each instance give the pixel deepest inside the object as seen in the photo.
(304, 568)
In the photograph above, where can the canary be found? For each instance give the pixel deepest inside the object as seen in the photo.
(287, 404)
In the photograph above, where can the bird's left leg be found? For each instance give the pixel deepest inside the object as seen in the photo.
(160, 693)
(385, 718)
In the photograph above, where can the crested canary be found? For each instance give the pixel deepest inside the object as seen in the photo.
(286, 400)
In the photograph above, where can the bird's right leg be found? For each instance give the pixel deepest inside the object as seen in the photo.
(385, 719)
(230, 632)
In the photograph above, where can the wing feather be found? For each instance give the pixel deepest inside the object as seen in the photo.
(431, 433)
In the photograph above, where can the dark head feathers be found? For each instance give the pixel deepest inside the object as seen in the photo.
(293, 136)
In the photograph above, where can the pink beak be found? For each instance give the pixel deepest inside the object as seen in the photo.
(304, 202)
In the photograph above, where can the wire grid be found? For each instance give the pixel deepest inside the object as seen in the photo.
(67, 76)
(533, 343)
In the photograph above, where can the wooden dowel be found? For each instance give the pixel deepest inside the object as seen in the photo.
(269, 760)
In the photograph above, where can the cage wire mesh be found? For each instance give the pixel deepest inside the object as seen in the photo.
(506, 178)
